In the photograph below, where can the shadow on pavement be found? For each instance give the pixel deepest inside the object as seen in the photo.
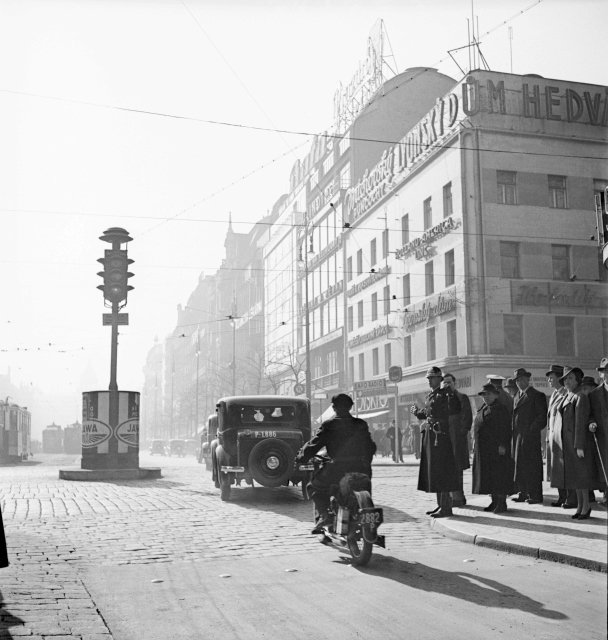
(458, 584)
(7, 620)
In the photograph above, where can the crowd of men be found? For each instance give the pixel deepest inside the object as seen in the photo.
(508, 445)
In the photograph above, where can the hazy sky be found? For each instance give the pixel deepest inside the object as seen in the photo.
(78, 154)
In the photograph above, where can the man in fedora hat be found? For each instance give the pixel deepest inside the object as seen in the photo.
(438, 469)
(598, 424)
(529, 419)
(503, 397)
(555, 454)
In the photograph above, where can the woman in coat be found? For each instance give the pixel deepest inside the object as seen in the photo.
(579, 471)
(492, 464)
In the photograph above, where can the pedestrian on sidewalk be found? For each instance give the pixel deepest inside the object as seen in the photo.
(504, 398)
(397, 449)
(555, 451)
(529, 419)
(598, 425)
(492, 464)
(579, 471)
(438, 470)
(3, 552)
(460, 427)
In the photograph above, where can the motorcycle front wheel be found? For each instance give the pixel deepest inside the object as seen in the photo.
(359, 535)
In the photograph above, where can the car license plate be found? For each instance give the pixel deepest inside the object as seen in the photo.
(372, 517)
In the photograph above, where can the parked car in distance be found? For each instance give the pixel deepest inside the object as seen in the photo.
(177, 448)
(158, 447)
(191, 447)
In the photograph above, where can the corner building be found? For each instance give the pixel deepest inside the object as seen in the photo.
(472, 240)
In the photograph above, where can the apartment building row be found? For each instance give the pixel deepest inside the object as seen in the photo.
(453, 224)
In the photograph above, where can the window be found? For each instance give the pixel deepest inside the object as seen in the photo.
(350, 314)
(386, 293)
(405, 228)
(506, 187)
(328, 163)
(375, 362)
(431, 351)
(374, 306)
(361, 366)
(447, 200)
(428, 213)
(387, 355)
(385, 243)
(429, 278)
(452, 340)
(351, 369)
(557, 192)
(407, 351)
(372, 252)
(349, 269)
(509, 260)
(564, 335)
(514, 334)
(359, 262)
(406, 289)
(450, 276)
(560, 256)
(360, 313)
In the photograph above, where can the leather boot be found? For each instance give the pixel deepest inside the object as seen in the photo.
(501, 503)
(445, 502)
(492, 504)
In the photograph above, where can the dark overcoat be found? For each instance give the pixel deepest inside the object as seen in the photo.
(3, 552)
(579, 473)
(555, 446)
(460, 425)
(438, 469)
(349, 444)
(598, 413)
(492, 472)
(529, 419)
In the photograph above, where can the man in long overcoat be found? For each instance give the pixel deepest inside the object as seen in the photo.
(438, 469)
(460, 427)
(529, 419)
(598, 423)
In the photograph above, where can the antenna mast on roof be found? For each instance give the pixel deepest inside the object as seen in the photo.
(476, 57)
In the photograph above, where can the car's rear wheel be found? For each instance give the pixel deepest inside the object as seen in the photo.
(271, 462)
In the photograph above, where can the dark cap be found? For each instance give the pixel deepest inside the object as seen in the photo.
(342, 400)
(434, 371)
(521, 373)
(603, 364)
(557, 369)
(568, 370)
(488, 387)
(589, 381)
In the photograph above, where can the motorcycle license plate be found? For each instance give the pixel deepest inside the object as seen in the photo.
(371, 517)
(306, 467)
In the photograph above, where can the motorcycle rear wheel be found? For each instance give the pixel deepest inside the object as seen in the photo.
(358, 537)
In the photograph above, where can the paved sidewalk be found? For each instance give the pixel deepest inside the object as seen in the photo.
(540, 531)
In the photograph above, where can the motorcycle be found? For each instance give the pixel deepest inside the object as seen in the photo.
(355, 521)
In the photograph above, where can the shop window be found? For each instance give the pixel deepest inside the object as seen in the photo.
(506, 187)
(450, 275)
(557, 192)
(431, 349)
(427, 210)
(564, 335)
(560, 256)
(509, 259)
(513, 334)
(448, 209)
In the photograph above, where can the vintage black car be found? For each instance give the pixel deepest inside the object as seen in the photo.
(158, 447)
(258, 438)
(177, 448)
(208, 435)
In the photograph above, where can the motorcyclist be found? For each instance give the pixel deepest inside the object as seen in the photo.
(349, 445)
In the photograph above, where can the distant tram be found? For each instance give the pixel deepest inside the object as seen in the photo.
(52, 439)
(15, 432)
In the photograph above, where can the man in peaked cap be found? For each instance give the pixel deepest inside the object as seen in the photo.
(503, 397)
(529, 419)
(598, 424)
(438, 469)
